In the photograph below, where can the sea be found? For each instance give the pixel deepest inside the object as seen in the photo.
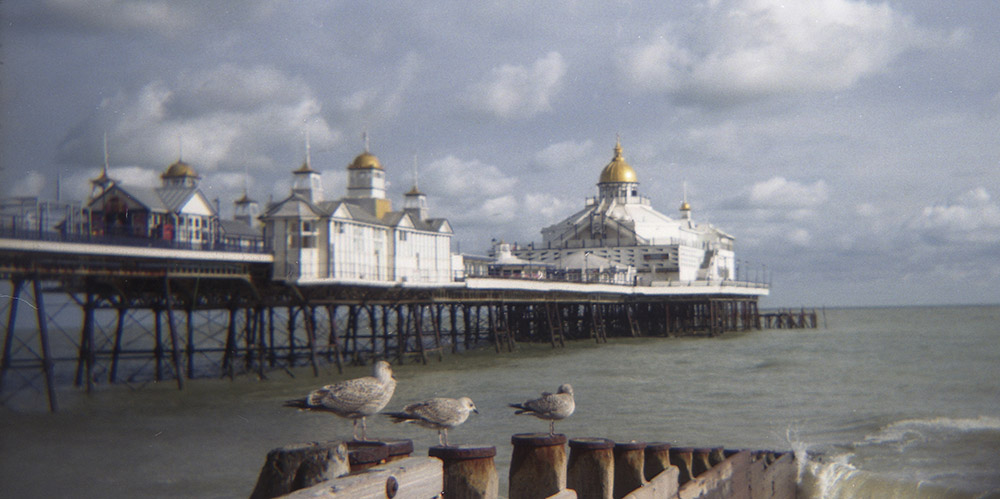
(876, 403)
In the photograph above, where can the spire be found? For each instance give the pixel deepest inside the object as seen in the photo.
(104, 181)
(308, 151)
(415, 176)
(685, 207)
(364, 139)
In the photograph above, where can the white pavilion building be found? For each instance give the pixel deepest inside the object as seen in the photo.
(357, 238)
(621, 227)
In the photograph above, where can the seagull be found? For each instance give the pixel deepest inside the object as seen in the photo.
(437, 414)
(551, 406)
(353, 398)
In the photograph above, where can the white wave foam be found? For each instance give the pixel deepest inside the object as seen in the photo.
(918, 428)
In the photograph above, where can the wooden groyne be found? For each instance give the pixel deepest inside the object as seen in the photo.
(541, 467)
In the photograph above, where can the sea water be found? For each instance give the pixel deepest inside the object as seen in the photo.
(886, 402)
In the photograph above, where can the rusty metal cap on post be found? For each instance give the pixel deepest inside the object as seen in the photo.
(658, 446)
(633, 445)
(462, 452)
(538, 439)
(367, 452)
(399, 447)
(591, 444)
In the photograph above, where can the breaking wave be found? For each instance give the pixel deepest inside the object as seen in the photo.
(912, 458)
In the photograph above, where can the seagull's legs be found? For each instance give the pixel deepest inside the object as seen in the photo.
(443, 437)
(355, 429)
(552, 427)
(364, 429)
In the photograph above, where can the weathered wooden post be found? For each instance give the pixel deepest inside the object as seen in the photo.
(700, 462)
(591, 470)
(298, 466)
(538, 465)
(629, 464)
(716, 456)
(657, 459)
(469, 472)
(682, 458)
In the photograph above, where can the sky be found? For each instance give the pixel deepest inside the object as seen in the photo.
(851, 147)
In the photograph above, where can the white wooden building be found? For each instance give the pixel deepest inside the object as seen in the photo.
(357, 238)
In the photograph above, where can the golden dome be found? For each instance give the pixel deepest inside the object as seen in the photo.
(618, 171)
(365, 161)
(179, 169)
(685, 206)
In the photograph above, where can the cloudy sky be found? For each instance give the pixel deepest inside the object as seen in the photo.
(852, 147)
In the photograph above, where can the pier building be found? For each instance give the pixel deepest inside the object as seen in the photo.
(177, 211)
(620, 227)
(357, 238)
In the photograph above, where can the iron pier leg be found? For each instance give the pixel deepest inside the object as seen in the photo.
(43, 335)
(117, 348)
(8, 340)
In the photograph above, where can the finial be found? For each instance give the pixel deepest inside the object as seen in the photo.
(364, 138)
(106, 166)
(414, 171)
(308, 153)
(180, 148)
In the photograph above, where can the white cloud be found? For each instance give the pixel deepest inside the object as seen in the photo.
(778, 192)
(518, 91)
(750, 48)
(226, 117)
(454, 178)
(565, 154)
(27, 185)
(973, 217)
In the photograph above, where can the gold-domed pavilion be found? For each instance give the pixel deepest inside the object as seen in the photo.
(621, 227)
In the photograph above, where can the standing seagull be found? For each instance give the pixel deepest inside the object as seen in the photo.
(354, 398)
(551, 406)
(437, 414)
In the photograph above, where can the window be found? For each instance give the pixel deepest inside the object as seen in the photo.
(307, 226)
(402, 236)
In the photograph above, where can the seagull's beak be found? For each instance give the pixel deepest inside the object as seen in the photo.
(475, 410)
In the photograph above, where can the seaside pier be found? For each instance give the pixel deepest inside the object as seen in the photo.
(87, 313)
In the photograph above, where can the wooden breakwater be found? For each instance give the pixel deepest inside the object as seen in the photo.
(541, 467)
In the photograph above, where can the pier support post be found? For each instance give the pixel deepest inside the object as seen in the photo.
(469, 472)
(629, 464)
(591, 470)
(538, 465)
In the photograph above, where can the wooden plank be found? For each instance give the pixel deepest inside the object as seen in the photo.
(663, 484)
(409, 478)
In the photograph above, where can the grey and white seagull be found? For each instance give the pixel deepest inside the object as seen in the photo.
(550, 406)
(355, 398)
(437, 414)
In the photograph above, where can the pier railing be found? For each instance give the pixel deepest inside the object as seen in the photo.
(123, 240)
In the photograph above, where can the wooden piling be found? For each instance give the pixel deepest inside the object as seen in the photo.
(298, 466)
(682, 458)
(657, 459)
(591, 470)
(538, 465)
(469, 472)
(700, 461)
(629, 464)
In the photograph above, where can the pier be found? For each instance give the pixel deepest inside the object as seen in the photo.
(89, 312)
